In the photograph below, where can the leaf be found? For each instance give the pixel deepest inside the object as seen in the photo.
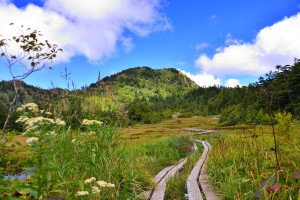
(80, 184)
(296, 174)
(33, 35)
(50, 68)
(275, 187)
(58, 191)
(287, 165)
(32, 64)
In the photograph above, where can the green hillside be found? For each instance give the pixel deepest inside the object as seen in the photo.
(145, 95)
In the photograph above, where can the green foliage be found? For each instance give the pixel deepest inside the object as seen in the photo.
(285, 121)
(59, 164)
(167, 152)
(242, 164)
(152, 95)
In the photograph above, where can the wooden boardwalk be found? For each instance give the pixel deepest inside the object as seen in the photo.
(162, 177)
(200, 131)
(197, 184)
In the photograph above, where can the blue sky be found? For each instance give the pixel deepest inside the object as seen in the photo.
(212, 41)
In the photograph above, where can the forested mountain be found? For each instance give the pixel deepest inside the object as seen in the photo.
(145, 95)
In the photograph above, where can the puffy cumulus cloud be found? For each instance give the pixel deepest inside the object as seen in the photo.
(4, 1)
(232, 83)
(51, 24)
(232, 41)
(91, 28)
(274, 45)
(91, 9)
(203, 79)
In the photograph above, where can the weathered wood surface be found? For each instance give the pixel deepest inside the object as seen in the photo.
(162, 174)
(197, 184)
(160, 189)
(207, 189)
(200, 131)
(193, 190)
(161, 178)
(200, 190)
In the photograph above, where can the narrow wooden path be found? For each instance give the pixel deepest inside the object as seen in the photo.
(162, 177)
(200, 131)
(197, 184)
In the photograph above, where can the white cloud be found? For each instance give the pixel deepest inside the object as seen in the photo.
(91, 9)
(232, 83)
(275, 45)
(4, 1)
(203, 79)
(93, 29)
(231, 41)
(201, 46)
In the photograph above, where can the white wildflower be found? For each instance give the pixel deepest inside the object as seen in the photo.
(89, 180)
(91, 133)
(87, 122)
(110, 185)
(95, 190)
(53, 133)
(31, 141)
(60, 122)
(73, 141)
(82, 193)
(29, 106)
(102, 183)
(22, 119)
(39, 120)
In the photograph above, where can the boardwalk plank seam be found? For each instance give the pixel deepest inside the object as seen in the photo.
(197, 183)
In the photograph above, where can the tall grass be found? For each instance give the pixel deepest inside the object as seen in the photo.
(61, 164)
(242, 164)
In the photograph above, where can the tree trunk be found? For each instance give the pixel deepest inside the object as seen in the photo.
(10, 111)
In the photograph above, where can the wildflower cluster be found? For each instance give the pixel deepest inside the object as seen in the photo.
(33, 122)
(60, 122)
(94, 186)
(87, 122)
(28, 107)
(32, 141)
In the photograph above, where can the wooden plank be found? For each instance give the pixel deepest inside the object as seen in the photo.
(195, 147)
(200, 131)
(193, 190)
(207, 190)
(162, 174)
(160, 189)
